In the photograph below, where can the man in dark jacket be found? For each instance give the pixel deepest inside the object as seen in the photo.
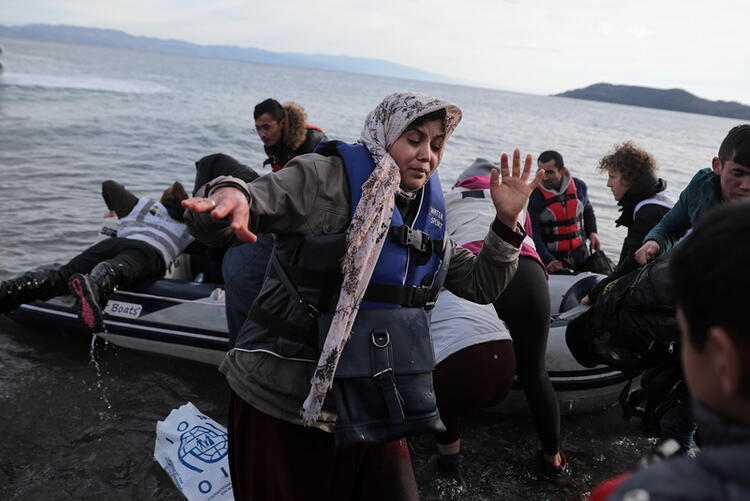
(285, 135)
(284, 131)
(716, 360)
(562, 218)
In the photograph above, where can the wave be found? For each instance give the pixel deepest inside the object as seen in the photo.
(82, 83)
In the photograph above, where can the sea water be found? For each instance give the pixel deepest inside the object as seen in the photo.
(73, 116)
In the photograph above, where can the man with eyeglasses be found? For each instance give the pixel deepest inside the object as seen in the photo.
(285, 132)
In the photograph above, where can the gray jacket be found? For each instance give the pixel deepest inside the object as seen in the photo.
(310, 196)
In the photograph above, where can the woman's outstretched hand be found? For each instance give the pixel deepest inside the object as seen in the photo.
(222, 203)
(511, 194)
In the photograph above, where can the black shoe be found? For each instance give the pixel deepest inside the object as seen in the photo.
(448, 468)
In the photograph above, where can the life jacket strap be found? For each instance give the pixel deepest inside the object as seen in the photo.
(562, 197)
(562, 222)
(407, 296)
(415, 239)
(563, 236)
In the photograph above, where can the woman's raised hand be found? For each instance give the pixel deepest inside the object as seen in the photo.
(511, 194)
(222, 203)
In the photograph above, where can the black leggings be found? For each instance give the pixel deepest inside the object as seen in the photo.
(134, 260)
(524, 306)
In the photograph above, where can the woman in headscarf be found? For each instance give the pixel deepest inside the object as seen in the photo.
(280, 423)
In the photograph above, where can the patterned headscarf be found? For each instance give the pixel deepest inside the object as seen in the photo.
(372, 217)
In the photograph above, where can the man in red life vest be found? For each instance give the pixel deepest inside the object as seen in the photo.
(284, 131)
(562, 217)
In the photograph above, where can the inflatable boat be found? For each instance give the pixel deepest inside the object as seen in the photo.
(186, 319)
(173, 317)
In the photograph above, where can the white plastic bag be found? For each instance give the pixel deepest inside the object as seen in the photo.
(192, 449)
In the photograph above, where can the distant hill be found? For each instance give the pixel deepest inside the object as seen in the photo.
(665, 99)
(121, 40)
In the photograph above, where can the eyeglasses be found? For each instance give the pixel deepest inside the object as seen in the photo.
(265, 127)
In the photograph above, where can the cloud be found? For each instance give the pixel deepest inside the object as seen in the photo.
(543, 47)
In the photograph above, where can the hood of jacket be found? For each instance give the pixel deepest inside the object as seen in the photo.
(295, 130)
(645, 186)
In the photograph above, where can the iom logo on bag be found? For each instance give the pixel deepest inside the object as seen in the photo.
(203, 443)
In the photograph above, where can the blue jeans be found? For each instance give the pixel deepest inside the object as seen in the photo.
(244, 268)
(677, 423)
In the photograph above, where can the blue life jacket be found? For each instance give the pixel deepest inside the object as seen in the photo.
(400, 263)
(402, 278)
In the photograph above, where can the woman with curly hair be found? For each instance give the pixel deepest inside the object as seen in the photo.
(643, 199)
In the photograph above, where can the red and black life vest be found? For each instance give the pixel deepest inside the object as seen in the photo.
(561, 220)
(277, 159)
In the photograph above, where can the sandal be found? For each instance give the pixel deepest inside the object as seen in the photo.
(551, 469)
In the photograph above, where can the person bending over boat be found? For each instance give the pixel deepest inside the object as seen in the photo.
(476, 360)
(715, 351)
(727, 179)
(643, 199)
(150, 236)
(321, 207)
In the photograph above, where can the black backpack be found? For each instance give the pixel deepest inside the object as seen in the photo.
(631, 326)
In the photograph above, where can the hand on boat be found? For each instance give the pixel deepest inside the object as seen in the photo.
(226, 202)
(555, 266)
(510, 194)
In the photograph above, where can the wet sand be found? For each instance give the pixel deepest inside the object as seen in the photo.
(501, 457)
(79, 420)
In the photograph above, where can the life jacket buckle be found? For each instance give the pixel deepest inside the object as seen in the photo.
(416, 296)
(408, 237)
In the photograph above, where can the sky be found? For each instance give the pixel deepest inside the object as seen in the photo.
(538, 47)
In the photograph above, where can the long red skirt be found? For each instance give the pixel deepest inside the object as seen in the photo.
(271, 459)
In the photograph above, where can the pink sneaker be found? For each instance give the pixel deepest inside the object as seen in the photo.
(88, 310)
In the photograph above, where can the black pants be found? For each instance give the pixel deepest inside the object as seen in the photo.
(134, 259)
(524, 306)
